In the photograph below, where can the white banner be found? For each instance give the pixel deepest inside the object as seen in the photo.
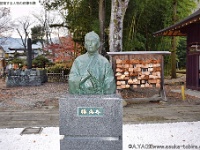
(21, 3)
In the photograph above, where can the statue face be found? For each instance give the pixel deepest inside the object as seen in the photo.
(91, 44)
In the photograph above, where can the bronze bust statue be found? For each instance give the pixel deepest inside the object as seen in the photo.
(91, 73)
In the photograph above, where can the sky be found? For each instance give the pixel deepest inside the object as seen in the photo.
(19, 11)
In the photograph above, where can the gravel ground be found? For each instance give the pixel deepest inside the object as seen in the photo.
(31, 96)
(49, 93)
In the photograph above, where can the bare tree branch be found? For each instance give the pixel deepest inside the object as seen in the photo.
(23, 29)
(6, 25)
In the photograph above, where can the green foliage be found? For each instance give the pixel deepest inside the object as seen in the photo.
(181, 53)
(41, 62)
(18, 61)
(16, 55)
(143, 18)
(167, 65)
(60, 67)
(82, 16)
(37, 34)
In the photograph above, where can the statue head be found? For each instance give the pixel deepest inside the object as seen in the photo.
(92, 42)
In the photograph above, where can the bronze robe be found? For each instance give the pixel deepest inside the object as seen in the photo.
(91, 75)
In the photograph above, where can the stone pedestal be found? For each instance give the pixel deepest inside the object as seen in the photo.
(29, 77)
(91, 122)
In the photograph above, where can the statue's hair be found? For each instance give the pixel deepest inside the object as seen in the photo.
(93, 34)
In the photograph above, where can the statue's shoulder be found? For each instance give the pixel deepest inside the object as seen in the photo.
(103, 59)
(81, 58)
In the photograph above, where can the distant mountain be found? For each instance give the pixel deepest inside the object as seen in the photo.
(10, 42)
(14, 43)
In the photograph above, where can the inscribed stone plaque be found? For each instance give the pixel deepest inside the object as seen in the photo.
(90, 111)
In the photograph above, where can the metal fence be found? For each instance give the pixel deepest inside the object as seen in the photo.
(57, 77)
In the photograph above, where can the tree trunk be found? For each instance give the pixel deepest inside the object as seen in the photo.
(173, 51)
(102, 26)
(116, 24)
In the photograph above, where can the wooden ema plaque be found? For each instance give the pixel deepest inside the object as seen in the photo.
(138, 69)
(137, 72)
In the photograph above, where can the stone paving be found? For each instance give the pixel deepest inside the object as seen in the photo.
(21, 118)
(134, 113)
(161, 113)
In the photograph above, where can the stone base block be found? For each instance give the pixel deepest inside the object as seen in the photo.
(90, 144)
(91, 122)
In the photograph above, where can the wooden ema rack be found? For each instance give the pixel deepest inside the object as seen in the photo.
(139, 69)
